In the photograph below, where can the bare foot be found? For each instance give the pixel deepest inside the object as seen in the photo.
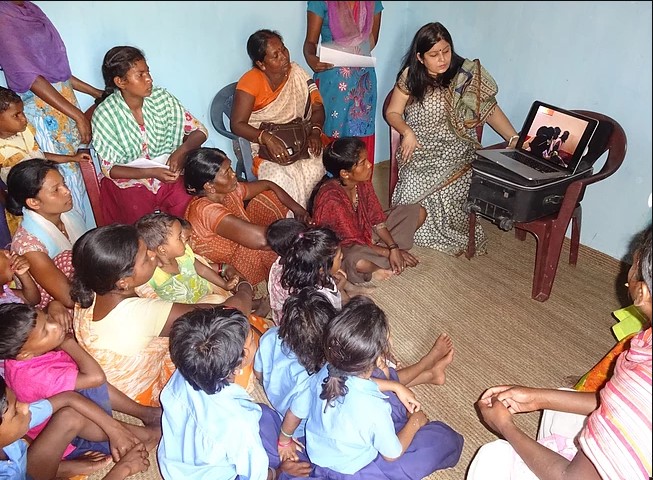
(85, 465)
(149, 435)
(438, 371)
(135, 461)
(261, 306)
(382, 274)
(442, 346)
(353, 289)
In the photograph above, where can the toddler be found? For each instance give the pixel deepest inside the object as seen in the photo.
(179, 275)
(17, 142)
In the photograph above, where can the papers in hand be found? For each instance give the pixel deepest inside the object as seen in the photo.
(157, 162)
(345, 59)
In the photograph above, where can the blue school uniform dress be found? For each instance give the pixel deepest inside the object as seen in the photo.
(283, 376)
(16, 467)
(348, 439)
(210, 436)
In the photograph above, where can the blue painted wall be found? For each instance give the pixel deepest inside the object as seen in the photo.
(589, 55)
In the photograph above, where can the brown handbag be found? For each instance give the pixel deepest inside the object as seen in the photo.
(293, 134)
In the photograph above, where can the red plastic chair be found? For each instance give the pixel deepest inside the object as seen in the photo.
(395, 141)
(549, 231)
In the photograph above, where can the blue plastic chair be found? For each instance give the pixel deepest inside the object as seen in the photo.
(221, 109)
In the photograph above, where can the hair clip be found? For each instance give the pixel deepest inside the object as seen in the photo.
(300, 235)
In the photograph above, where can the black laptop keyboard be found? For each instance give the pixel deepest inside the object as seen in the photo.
(521, 158)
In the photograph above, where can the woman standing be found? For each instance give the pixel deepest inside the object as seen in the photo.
(34, 60)
(349, 93)
(437, 103)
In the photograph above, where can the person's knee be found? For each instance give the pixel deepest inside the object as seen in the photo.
(422, 216)
(67, 419)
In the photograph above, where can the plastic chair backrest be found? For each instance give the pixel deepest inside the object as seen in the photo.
(395, 142)
(614, 142)
(221, 109)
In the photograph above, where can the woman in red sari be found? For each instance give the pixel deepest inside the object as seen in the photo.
(374, 243)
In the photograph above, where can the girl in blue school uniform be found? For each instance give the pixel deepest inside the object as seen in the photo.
(288, 355)
(353, 430)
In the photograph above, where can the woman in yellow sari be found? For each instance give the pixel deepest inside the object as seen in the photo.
(126, 334)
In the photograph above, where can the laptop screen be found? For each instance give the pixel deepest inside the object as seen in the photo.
(556, 135)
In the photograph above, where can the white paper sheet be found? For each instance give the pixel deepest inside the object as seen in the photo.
(343, 59)
(158, 162)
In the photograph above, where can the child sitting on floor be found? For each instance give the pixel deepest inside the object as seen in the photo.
(40, 458)
(13, 265)
(310, 258)
(288, 355)
(179, 276)
(42, 360)
(211, 426)
(280, 236)
(353, 430)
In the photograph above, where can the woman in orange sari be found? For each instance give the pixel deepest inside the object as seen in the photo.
(224, 230)
(277, 90)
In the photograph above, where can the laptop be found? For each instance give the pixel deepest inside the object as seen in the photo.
(551, 144)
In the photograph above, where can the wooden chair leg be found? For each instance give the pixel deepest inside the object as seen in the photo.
(471, 239)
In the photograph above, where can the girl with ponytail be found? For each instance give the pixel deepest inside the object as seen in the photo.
(352, 429)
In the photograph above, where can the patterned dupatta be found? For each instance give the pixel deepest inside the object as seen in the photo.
(470, 99)
(289, 104)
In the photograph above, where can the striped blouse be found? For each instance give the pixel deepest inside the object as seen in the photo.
(617, 438)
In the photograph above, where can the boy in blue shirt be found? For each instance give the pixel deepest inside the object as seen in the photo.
(211, 426)
(41, 458)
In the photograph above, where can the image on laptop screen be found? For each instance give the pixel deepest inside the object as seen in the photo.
(554, 135)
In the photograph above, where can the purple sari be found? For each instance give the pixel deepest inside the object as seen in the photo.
(30, 46)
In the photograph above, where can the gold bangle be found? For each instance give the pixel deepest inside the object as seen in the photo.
(514, 137)
(318, 127)
(259, 139)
